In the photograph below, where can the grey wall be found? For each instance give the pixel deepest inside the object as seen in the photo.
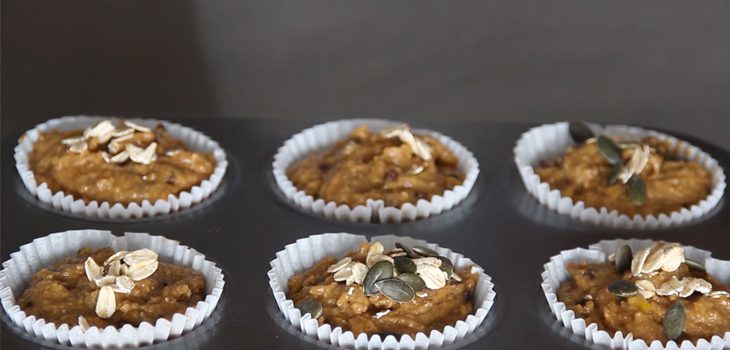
(661, 63)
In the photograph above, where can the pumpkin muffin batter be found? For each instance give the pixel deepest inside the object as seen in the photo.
(642, 311)
(62, 293)
(583, 174)
(370, 165)
(102, 168)
(348, 306)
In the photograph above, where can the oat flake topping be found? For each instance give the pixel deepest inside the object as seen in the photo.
(116, 152)
(118, 275)
(403, 132)
(668, 257)
(428, 269)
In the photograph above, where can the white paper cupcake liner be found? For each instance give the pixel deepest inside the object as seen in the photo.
(327, 134)
(194, 140)
(556, 273)
(551, 140)
(306, 252)
(17, 272)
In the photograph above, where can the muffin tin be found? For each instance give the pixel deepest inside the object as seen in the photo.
(500, 226)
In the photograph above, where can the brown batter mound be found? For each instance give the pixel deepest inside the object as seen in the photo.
(588, 296)
(88, 176)
(368, 165)
(61, 293)
(356, 312)
(582, 174)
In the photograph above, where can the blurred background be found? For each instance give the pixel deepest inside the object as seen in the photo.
(658, 63)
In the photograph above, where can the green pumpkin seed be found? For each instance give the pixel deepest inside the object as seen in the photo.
(580, 132)
(424, 251)
(615, 172)
(396, 290)
(404, 264)
(674, 320)
(694, 265)
(406, 249)
(446, 266)
(623, 258)
(311, 307)
(609, 150)
(623, 289)
(380, 271)
(413, 280)
(636, 189)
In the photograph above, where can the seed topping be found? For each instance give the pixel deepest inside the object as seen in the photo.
(398, 274)
(117, 275)
(120, 142)
(403, 132)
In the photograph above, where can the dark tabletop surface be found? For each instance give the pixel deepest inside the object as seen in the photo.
(499, 226)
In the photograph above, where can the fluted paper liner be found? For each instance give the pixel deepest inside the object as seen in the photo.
(194, 140)
(42, 252)
(327, 134)
(556, 273)
(306, 252)
(550, 141)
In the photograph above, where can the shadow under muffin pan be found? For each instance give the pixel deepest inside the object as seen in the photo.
(243, 229)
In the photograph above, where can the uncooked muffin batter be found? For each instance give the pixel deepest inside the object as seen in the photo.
(348, 306)
(672, 184)
(588, 296)
(368, 165)
(60, 293)
(89, 176)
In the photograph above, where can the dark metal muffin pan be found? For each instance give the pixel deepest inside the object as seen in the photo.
(500, 226)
